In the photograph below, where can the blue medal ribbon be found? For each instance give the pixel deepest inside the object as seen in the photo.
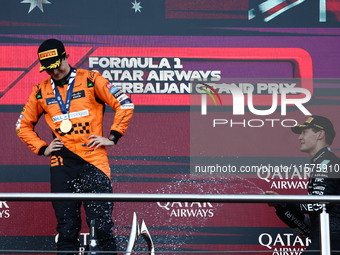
(65, 107)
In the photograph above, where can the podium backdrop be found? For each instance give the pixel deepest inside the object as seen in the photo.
(158, 51)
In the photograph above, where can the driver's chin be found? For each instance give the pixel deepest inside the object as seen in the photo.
(55, 74)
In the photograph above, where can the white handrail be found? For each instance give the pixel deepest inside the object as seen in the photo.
(146, 197)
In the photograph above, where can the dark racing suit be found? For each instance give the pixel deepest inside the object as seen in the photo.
(324, 180)
(76, 167)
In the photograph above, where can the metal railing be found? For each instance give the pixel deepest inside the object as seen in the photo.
(125, 197)
(120, 197)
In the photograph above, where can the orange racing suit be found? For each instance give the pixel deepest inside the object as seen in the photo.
(76, 167)
(90, 93)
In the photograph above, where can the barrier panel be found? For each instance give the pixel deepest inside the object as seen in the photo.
(324, 217)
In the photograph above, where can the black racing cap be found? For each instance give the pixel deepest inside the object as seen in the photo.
(318, 122)
(50, 54)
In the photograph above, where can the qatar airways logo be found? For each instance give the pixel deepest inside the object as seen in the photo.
(4, 210)
(188, 210)
(285, 177)
(284, 244)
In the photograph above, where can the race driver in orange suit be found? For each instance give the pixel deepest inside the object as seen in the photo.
(73, 102)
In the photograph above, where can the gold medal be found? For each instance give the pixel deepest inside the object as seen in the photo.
(66, 126)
